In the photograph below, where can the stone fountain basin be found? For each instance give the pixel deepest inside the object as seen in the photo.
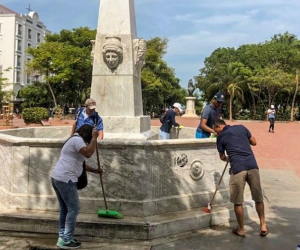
(141, 177)
(161, 186)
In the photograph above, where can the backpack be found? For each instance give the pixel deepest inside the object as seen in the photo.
(162, 117)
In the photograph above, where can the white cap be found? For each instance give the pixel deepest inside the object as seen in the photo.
(90, 103)
(177, 105)
(272, 106)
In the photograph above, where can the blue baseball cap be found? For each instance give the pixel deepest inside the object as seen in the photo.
(219, 97)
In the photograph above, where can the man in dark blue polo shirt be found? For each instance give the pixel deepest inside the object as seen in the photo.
(169, 121)
(209, 114)
(236, 141)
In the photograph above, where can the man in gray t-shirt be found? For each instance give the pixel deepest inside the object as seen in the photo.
(209, 115)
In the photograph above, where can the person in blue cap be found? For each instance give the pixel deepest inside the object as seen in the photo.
(209, 115)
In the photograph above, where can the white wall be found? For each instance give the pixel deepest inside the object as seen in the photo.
(9, 44)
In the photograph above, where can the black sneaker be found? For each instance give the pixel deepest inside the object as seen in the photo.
(76, 241)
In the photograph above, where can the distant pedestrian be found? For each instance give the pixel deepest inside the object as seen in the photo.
(169, 121)
(271, 116)
(236, 141)
(209, 114)
(17, 111)
(66, 109)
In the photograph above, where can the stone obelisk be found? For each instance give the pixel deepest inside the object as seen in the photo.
(118, 56)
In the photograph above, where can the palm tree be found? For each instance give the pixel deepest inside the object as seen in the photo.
(233, 89)
(230, 82)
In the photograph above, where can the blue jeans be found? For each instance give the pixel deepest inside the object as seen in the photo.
(200, 135)
(69, 207)
(164, 135)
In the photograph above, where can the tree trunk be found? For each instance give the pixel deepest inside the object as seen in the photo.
(230, 108)
(253, 100)
(53, 96)
(295, 94)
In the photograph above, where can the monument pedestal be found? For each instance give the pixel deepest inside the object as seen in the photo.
(128, 127)
(118, 57)
(190, 107)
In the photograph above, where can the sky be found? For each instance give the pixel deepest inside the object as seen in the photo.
(194, 28)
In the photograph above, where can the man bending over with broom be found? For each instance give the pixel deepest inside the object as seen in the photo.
(236, 141)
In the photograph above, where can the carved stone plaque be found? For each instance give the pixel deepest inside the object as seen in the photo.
(196, 170)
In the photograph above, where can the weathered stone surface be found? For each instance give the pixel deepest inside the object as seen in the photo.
(190, 107)
(130, 227)
(118, 56)
(142, 178)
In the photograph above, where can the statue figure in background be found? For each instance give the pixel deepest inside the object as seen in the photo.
(112, 51)
(191, 87)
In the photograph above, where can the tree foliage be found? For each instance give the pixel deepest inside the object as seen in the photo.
(65, 62)
(253, 76)
(160, 87)
(5, 94)
(31, 92)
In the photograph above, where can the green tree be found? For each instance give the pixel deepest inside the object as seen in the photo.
(31, 92)
(295, 94)
(5, 94)
(268, 83)
(266, 75)
(160, 87)
(211, 73)
(78, 89)
(65, 62)
(232, 78)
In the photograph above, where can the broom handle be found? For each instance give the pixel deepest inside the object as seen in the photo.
(100, 175)
(212, 199)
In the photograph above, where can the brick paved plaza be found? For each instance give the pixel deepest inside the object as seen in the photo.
(273, 151)
(278, 158)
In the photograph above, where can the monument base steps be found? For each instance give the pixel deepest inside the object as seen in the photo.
(138, 228)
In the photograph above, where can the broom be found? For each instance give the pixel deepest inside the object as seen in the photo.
(208, 208)
(101, 212)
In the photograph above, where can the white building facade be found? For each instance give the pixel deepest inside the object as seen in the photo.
(18, 32)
